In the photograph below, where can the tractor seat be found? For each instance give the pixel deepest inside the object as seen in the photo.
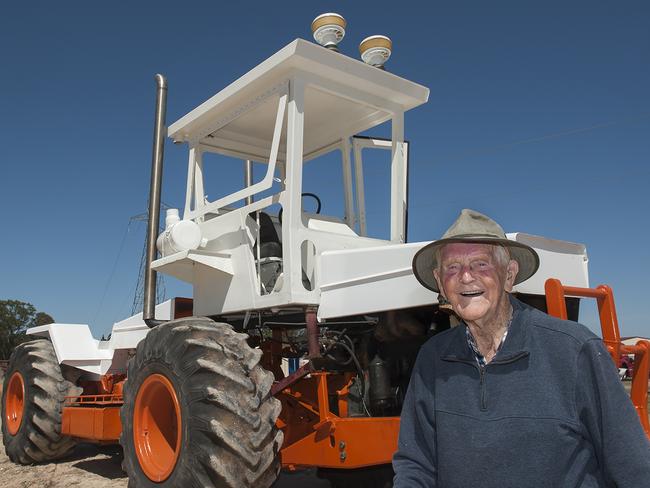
(270, 244)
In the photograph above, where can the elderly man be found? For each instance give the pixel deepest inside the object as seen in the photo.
(511, 397)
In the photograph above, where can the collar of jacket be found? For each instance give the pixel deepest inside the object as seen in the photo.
(516, 345)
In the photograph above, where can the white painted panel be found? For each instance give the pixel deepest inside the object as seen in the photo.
(216, 292)
(75, 345)
(566, 261)
(326, 224)
(181, 264)
(368, 280)
(127, 333)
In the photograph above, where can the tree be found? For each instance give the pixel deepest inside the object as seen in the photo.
(15, 318)
(43, 319)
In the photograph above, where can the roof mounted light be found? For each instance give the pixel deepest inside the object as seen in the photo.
(329, 30)
(375, 50)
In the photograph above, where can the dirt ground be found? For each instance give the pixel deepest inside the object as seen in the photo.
(100, 467)
(87, 466)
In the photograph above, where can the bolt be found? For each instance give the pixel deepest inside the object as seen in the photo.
(342, 445)
(343, 456)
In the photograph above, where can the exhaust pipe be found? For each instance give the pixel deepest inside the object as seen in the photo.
(159, 133)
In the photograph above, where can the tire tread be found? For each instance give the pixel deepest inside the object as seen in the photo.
(234, 442)
(39, 438)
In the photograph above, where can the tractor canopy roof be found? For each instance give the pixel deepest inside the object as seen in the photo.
(343, 97)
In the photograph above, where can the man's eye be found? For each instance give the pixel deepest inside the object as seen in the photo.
(452, 268)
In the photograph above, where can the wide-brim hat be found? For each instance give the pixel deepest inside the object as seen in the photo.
(474, 227)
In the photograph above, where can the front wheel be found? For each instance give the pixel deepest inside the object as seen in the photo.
(197, 410)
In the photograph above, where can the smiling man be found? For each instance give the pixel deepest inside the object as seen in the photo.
(511, 397)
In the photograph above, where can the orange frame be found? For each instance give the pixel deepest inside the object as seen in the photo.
(92, 424)
(556, 306)
(315, 436)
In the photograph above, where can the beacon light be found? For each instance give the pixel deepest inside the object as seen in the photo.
(328, 30)
(375, 50)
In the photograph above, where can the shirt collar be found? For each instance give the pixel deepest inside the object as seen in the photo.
(514, 343)
(480, 359)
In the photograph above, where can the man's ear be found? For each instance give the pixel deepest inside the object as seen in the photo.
(511, 273)
(436, 275)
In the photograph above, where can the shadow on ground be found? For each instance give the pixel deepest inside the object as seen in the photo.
(109, 467)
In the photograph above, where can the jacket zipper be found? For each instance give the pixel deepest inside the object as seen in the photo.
(483, 374)
(481, 370)
(482, 382)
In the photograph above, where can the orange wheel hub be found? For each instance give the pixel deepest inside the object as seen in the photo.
(15, 403)
(157, 427)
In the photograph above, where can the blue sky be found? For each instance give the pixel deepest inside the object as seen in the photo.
(539, 116)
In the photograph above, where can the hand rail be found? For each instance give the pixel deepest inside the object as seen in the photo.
(556, 306)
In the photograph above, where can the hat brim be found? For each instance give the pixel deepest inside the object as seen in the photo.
(424, 261)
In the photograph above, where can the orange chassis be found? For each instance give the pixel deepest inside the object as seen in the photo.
(314, 435)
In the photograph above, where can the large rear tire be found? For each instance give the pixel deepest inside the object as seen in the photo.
(32, 402)
(197, 410)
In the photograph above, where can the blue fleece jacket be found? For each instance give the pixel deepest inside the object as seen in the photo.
(547, 411)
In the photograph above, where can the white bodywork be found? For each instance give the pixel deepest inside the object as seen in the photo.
(301, 103)
(377, 279)
(566, 261)
(75, 346)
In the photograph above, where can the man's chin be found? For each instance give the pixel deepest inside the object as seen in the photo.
(472, 314)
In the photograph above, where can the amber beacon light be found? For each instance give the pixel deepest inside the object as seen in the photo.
(328, 30)
(375, 50)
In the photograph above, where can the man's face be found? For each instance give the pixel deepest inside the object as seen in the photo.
(473, 281)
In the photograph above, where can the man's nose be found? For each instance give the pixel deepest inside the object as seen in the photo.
(466, 275)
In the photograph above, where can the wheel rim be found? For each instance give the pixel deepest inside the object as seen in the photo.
(157, 427)
(15, 403)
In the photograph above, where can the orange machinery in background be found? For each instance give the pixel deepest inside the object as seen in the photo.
(556, 306)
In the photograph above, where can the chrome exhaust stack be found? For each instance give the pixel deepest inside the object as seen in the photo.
(158, 151)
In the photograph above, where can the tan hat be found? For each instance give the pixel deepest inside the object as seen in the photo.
(472, 226)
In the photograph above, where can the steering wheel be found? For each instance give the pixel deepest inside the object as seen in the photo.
(305, 194)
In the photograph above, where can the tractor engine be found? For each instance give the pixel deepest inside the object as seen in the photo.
(379, 352)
